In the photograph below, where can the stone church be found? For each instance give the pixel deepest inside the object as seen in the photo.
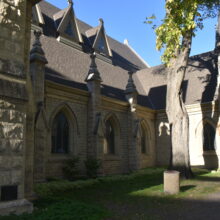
(68, 89)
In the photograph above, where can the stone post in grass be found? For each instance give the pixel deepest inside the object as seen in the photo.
(171, 179)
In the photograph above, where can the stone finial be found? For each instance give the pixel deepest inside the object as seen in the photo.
(101, 21)
(126, 42)
(70, 2)
(37, 53)
(93, 73)
(130, 87)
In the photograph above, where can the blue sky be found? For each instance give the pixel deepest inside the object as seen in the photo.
(124, 19)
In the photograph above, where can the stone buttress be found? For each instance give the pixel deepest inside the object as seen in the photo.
(133, 125)
(16, 153)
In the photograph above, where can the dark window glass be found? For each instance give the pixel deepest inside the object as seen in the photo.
(143, 141)
(101, 45)
(208, 137)
(110, 137)
(60, 134)
(9, 193)
(69, 30)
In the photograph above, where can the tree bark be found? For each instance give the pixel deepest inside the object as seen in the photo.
(176, 111)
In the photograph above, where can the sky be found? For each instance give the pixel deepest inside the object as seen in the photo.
(124, 19)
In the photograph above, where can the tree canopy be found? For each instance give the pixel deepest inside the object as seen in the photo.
(183, 18)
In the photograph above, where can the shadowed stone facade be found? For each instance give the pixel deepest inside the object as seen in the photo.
(108, 101)
(14, 78)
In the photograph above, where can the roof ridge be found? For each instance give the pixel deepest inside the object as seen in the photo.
(126, 43)
(55, 7)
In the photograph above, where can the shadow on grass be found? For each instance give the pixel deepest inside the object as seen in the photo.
(208, 178)
(186, 188)
(165, 208)
(121, 197)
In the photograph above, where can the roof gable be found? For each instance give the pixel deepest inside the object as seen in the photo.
(37, 17)
(67, 24)
(99, 40)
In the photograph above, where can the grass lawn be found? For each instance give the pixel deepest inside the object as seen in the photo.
(136, 196)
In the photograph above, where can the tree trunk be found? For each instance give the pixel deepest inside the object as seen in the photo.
(176, 111)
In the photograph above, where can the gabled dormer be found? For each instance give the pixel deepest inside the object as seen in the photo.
(37, 18)
(67, 27)
(99, 40)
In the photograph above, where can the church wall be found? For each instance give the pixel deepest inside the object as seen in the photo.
(75, 104)
(162, 139)
(148, 118)
(78, 137)
(16, 152)
(12, 145)
(118, 163)
(197, 115)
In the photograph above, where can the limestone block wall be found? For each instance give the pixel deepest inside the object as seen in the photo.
(12, 146)
(163, 145)
(75, 108)
(12, 40)
(147, 117)
(117, 163)
(78, 141)
(16, 167)
(197, 115)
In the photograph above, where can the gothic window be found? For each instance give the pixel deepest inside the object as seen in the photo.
(208, 137)
(60, 134)
(143, 140)
(69, 30)
(110, 138)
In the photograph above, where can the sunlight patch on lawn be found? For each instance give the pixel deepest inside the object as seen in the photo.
(150, 191)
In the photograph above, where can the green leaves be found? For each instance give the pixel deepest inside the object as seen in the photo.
(183, 18)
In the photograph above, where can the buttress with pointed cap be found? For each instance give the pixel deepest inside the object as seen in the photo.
(93, 73)
(130, 87)
(37, 52)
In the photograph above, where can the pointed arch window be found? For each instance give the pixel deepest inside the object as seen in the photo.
(144, 140)
(110, 137)
(208, 137)
(60, 134)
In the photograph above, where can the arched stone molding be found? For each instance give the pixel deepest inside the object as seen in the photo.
(69, 113)
(147, 127)
(115, 119)
(144, 124)
(73, 127)
(209, 159)
(117, 128)
(199, 127)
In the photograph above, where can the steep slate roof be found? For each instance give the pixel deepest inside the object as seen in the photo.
(69, 66)
(198, 87)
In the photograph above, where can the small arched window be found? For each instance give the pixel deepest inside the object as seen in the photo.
(110, 137)
(144, 140)
(60, 134)
(208, 137)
